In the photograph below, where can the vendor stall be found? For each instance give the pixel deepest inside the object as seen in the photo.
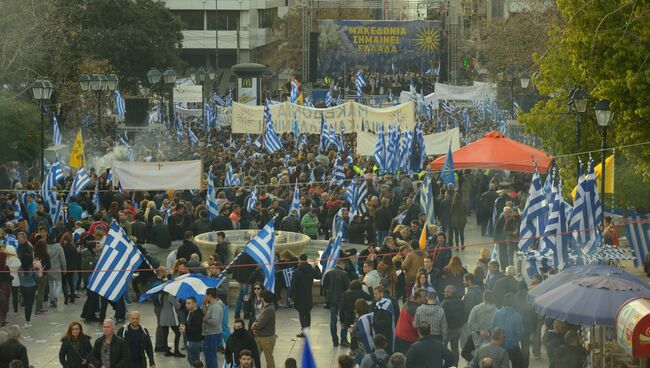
(633, 329)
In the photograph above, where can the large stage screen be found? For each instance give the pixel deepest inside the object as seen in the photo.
(389, 46)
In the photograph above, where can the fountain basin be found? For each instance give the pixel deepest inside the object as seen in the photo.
(295, 242)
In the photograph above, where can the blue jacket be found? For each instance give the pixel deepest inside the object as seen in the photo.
(511, 323)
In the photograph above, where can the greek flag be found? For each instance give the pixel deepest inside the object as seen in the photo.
(359, 83)
(534, 262)
(638, 236)
(120, 106)
(308, 359)
(447, 174)
(557, 240)
(96, 199)
(48, 188)
(329, 99)
(287, 274)
(324, 134)
(393, 145)
(252, 201)
(119, 258)
(262, 249)
(333, 138)
(467, 124)
(331, 254)
(309, 103)
(338, 99)
(302, 140)
(109, 177)
(218, 99)
(426, 200)
(359, 196)
(179, 130)
(366, 332)
(258, 142)
(548, 183)
(293, 98)
(271, 140)
(502, 126)
(229, 98)
(168, 214)
(57, 139)
(583, 220)
(405, 151)
(230, 177)
(380, 151)
(341, 140)
(211, 197)
(56, 214)
(184, 286)
(430, 111)
(248, 139)
(207, 111)
(295, 200)
(338, 174)
(421, 151)
(193, 138)
(80, 182)
(447, 106)
(533, 220)
(18, 213)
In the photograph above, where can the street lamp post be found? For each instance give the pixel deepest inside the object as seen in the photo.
(199, 77)
(511, 79)
(168, 77)
(42, 90)
(604, 117)
(578, 99)
(98, 83)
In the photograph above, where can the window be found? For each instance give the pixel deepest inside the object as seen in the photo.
(227, 19)
(192, 19)
(267, 17)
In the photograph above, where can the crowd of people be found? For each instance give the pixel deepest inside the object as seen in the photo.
(427, 307)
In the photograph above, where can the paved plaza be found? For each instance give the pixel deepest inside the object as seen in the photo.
(43, 339)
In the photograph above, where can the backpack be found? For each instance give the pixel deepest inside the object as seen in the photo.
(38, 267)
(382, 322)
(378, 363)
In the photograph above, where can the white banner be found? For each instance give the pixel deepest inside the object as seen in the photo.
(405, 96)
(157, 175)
(480, 91)
(436, 144)
(249, 119)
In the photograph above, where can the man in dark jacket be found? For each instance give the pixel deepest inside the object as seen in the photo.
(473, 296)
(503, 286)
(485, 208)
(188, 247)
(428, 352)
(500, 236)
(222, 221)
(117, 353)
(553, 339)
(335, 282)
(202, 224)
(138, 340)
(455, 314)
(291, 222)
(239, 340)
(12, 349)
(530, 318)
(139, 229)
(302, 283)
(192, 327)
(242, 273)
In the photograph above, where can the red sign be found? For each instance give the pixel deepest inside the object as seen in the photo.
(633, 327)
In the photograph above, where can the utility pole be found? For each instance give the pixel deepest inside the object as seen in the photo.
(238, 44)
(306, 28)
(216, 36)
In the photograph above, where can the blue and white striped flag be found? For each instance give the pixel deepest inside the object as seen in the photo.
(380, 151)
(447, 106)
(295, 200)
(293, 98)
(309, 103)
(184, 286)
(391, 151)
(287, 275)
(56, 213)
(359, 83)
(332, 252)
(338, 174)
(447, 174)
(262, 249)
(109, 176)
(211, 197)
(405, 151)
(48, 188)
(258, 142)
(308, 360)
(207, 112)
(329, 99)
(168, 214)
(302, 140)
(271, 140)
(57, 139)
(230, 177)
(252, 201)
(366, 331)
(80, 182)
(638, 231)
(583, 222)
(557, 240)
(324, 134)
(18, 213)
(120, 106)
(218, 99)
(548, 183)
(426, 200)
(430, 111)
(229, 98)
(338, 99)
(193, 138)
(421, 153)
(248, 139)
(119, 258)
(358, 198)
(334, 139)
(533, 220)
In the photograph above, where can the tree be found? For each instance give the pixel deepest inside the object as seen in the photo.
(20, 124)
(604, 47)
(133, 35)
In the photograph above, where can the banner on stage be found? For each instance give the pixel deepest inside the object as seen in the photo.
(350, 115)
(436, 144)
(479, 91)
(176, 175)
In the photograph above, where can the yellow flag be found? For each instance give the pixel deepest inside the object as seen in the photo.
(609, 177)
(300, 99)
(357, 170)
(77, 156)
(423, 238)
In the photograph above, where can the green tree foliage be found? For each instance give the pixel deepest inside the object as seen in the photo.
(604, 46)
(20, 122)
(133, 35)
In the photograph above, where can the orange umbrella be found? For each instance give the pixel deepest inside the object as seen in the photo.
(495, 151)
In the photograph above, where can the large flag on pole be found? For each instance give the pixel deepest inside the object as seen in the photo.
(447, 174)
(638, 236)
(48, 187)
(583, 222)
(77, 156)
(557, 240)
(57, 139)
(380, 151)
(426, 201)
(262, 249)
(119, 258)
(211, 197)
(80, 182)
(533, 220)
(295, 200)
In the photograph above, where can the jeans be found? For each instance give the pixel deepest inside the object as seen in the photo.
(334, 314)
(56, 286)
(381, 234)
(28, 297)
(193, 350)
(244, 288)
(210, 344)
